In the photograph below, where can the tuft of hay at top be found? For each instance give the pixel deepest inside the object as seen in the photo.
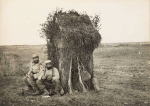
(76, 31)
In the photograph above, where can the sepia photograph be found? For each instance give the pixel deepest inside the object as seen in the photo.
(74, 53)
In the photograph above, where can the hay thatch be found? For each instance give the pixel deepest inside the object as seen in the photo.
(76, 30)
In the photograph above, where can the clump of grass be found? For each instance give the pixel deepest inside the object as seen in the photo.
(13, 65)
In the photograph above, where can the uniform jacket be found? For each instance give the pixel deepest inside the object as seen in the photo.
(53, 73)
(35, 69)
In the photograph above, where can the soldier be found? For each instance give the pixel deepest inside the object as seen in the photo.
(32, 76)
(49, 79)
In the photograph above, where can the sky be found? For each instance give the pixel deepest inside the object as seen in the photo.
(121, 20)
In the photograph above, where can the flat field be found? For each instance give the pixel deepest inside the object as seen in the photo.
(123, 72)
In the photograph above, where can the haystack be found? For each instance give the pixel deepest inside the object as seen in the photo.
(71, 35)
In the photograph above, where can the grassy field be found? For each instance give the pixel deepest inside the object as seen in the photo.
(122, 71)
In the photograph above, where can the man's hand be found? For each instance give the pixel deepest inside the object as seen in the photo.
(27, 75)
(44, 77)
(39, 78)
(31, 74)
(52, 79)
(49, 78)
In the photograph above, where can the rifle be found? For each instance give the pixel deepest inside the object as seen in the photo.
(80, 80)
(69, 80)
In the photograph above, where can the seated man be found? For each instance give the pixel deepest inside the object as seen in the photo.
(32, 75)
(49, 79)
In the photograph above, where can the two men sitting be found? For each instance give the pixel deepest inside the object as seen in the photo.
(44, 80)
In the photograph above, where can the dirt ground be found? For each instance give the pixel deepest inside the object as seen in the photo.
(123, 73)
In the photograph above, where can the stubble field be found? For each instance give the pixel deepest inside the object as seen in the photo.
(123, 73)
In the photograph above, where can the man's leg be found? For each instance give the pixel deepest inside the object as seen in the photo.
(28, 85)
(41, 85)
(50, 87)
(57, 86)
(32, 82)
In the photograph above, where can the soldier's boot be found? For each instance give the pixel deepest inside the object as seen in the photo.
(51, 92)
(45, 93)
(30, 89)
(37, 91)
(57, 92)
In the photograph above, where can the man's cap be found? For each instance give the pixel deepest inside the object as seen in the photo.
(34, 55)
(48, 61)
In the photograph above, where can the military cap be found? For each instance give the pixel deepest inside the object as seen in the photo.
(34, 55)
(48, 61)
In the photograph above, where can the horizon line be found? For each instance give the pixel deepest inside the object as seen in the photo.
(100, 43)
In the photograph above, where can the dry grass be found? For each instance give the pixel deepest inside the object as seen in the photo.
(122, 74)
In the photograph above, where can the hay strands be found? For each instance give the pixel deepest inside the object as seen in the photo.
(80, 80)
(69, 80)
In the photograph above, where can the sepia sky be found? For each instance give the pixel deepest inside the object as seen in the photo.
(121, 20)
